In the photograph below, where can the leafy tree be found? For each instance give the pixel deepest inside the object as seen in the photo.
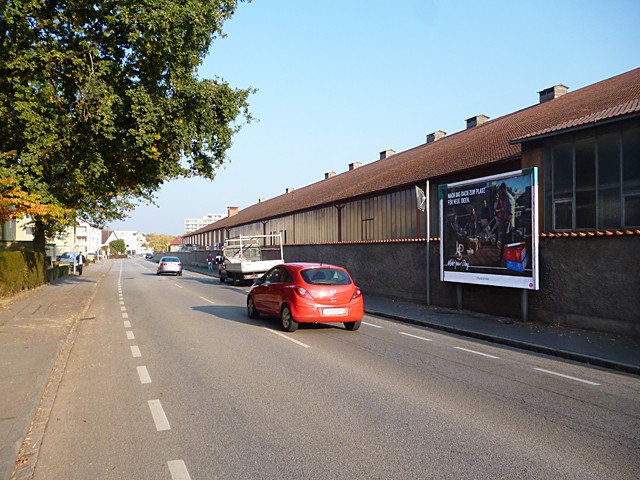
(16, 203)
(159, 242)
(118, 246)
(100, 102)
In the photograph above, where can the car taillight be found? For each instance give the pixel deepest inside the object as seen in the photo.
(302, 292)
(357, 293)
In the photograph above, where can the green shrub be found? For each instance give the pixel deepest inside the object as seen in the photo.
(20, 271)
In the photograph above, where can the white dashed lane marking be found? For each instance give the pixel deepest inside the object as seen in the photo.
(143, 373)
(178, 470)
(476, 353)
(288, 338)
(159, 417)
(415, 336)
(565, 376)
(371, 325)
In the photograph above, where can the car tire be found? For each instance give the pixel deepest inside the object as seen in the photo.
(353, 326)
(288, 323)
(251, 309)
(179, 274)
(236, 279)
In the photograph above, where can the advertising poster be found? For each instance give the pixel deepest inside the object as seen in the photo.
(489, 230)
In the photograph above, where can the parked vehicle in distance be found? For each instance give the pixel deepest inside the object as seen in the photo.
(307, 293)
(170, 265)
(148, 256)
(68, 257)
(243, 257)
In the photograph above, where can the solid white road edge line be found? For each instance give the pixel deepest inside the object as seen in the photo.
(477, 353)
(143, 374)
(159, 418)
(178, 470)
(288, 338)
(566, 376)
(415, 336)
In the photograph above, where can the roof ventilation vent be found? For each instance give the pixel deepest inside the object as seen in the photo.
(437, 135)
(477, 120)
(552, 92)
(386, 153)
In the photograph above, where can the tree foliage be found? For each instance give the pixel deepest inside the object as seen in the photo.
(118, 246)
(100, 101)
(159, 242)
(16, 203)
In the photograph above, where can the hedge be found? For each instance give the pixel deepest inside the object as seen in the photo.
(20, 271)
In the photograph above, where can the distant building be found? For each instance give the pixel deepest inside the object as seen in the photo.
(193, 224)
(82, 236)
(135, 242)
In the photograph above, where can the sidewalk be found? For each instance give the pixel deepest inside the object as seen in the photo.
(38, 328)
(37, 331)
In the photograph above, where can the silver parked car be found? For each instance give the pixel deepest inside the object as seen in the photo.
(170, 265)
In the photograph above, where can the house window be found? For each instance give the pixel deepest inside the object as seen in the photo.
(592, 181)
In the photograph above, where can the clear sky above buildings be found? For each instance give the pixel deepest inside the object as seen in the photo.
(339, 81)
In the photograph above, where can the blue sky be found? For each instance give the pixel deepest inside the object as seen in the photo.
(339, 81)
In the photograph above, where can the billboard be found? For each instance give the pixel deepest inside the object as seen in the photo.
(489, 230)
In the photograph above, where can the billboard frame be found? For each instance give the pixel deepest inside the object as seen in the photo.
(472, 250)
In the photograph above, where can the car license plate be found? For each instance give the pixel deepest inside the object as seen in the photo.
(334, 311)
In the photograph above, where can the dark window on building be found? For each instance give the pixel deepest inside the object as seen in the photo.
(592, 180)
(631, 175)
(585, 168)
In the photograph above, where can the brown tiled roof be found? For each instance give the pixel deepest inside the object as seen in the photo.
(628, 108)
(481, 145)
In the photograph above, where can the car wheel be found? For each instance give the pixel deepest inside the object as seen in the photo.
(179, 274)
(251, 309)
(288, 323)
(352, 325)
(236, 279)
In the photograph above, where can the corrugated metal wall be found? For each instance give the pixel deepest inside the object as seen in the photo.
(383, 217)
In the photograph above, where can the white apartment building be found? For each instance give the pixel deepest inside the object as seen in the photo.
(193, 224)
(136, 242)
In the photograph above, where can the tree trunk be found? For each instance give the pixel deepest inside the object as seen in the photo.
(39, 237)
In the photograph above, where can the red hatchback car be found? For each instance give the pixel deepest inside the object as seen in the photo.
(307, 293)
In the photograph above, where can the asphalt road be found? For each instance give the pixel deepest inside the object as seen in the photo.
(169, 378)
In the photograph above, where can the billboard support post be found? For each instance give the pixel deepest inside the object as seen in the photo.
(428, 231)
(524, 304)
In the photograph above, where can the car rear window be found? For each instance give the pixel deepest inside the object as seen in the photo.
(171, 259)
(325, 276)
